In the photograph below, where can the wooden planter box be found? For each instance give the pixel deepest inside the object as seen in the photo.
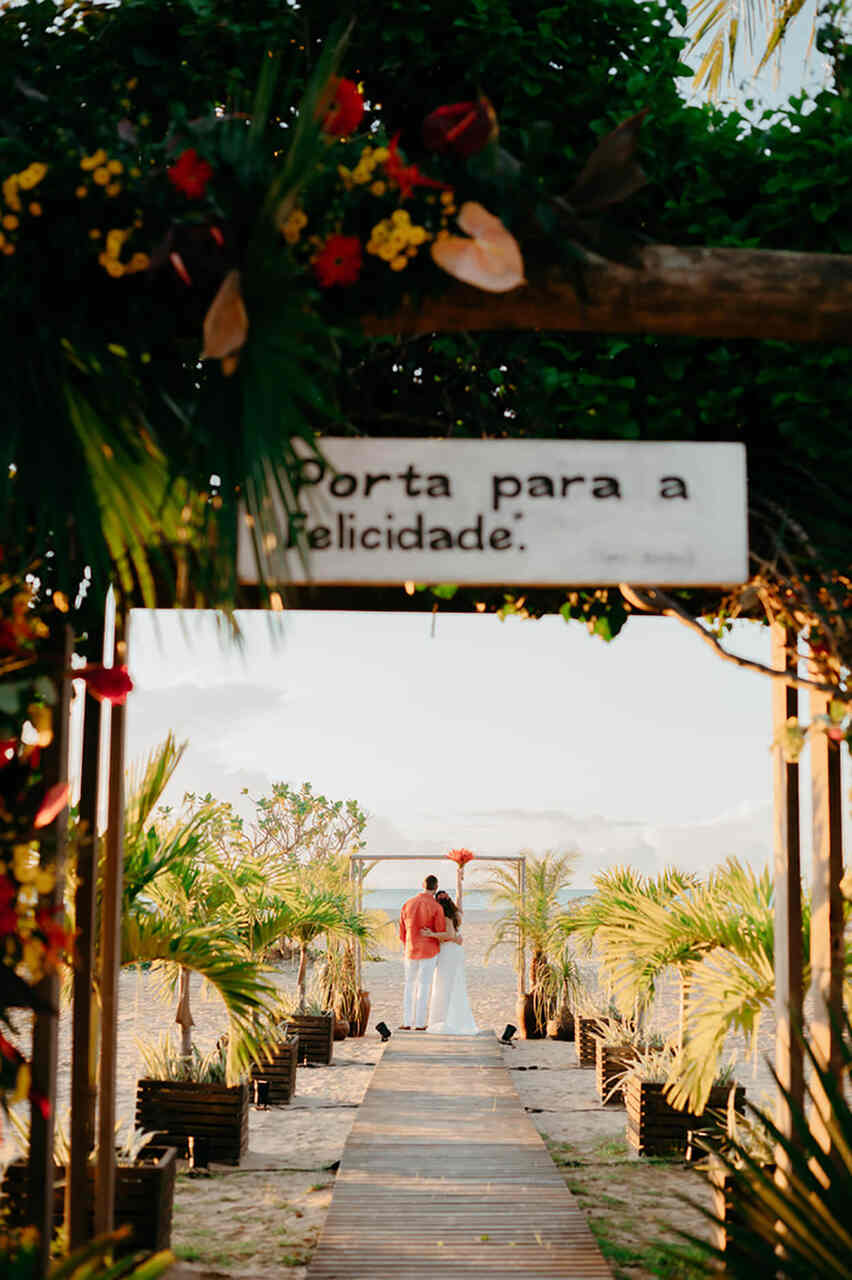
(725, 1205)
(280, 1070)
(144, 1195)
(611, 1062)
(316, 1036)
(175, 1110)
(655, 1128)
(585, 1040)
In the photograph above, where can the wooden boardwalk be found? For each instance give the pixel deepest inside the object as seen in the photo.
(445, 1175)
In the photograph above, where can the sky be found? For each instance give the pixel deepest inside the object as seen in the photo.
(497, 736)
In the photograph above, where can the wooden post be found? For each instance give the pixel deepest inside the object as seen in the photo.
(522, 942)
(45, 1050)
(459, 885)
(789, 1065)
(111, 961)
(827, 941)
(83, 1028)
(359, 906)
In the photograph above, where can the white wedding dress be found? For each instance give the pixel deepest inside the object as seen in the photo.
(450, 1013)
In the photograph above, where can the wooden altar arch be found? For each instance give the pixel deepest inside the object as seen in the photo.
(358, 873)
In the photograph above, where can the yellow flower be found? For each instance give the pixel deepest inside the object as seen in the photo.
(32, 175)
(114, 241)
(378, 188)
(23, 1081)
(345, 175)
(134, 172)
(386, 251)
(398, 263)
(45, 876)
(447, 197)
(10, 222)
(132, 83)
(144, 120)
(2, 242)
(95, 233)
(94, 161)
(81, 192)
(418, 235)
(400, 218)
(113, 267)
(35, 209)
(138, 262)
(380, 155)
(41, 719)
(397, 240)
(361, 173)
(101, 175)
(113, 189)
(10, 193)
(115, 166)
(8, 249)
(25, 863)
(292, 228)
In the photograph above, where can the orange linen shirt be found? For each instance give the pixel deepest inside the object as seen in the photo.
(422, 912)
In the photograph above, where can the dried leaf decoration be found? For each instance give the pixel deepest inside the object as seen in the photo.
(490, 259)
(226, 324)
(612, 172)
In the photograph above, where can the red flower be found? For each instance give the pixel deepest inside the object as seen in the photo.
(462, 127)
(8, 921)
(407, 176)
(346, 111)
(190, 174)
(41, 1102)
(8, 890)
(9, 1052)
(52, 805)
(55, 934)
(461, 856)
(339, 261)
(107, 684)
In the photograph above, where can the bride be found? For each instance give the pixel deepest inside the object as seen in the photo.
(450, 1013)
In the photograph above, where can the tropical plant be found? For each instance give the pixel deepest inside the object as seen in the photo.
(531, 916)
(186, 912)
(163, 1060)
(795, 1228)
(313, 912)
(727, 24)
(19, 1259)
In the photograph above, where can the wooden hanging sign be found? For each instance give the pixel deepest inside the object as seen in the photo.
(505, 512)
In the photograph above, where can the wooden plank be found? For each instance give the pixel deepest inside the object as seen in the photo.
(444, 1171)
(789, 1065)
(697, 292)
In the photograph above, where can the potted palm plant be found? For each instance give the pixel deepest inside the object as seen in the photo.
(657, 1127)
(532, 916)
(311, 913)
(182, 1101)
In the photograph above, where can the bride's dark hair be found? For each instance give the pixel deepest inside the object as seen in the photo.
(450, 909)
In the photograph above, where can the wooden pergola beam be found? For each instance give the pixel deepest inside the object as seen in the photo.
(693, 292)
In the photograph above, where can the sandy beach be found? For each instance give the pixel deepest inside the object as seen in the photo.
(288, 1176)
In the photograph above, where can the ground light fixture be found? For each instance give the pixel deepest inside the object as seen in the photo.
(261, 1095)
(508, 1032)
(384, 1031)
(198, 1151)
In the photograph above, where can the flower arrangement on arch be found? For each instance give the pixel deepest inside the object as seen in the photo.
(461, 856)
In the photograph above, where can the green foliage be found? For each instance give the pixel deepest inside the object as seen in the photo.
(800, 1230)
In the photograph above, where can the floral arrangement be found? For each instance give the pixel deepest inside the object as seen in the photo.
(34, 937)
(460, 856)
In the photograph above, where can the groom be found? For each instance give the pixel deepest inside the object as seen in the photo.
(418, 913)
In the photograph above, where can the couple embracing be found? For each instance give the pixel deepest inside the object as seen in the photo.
(435, 997)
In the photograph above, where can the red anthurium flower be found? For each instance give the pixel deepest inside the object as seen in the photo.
(8, 921)
(407, 176)
(8, 891)
(41, 1102)
(7, 750)
(190, 174)
(107, 684)
(461, 856)
(339, 261)
(9, 1052)
(346, 111)
(52, 805)
(462, 127)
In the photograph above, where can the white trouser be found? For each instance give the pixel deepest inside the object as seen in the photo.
(418, 984)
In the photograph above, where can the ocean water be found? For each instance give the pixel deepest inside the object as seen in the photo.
(391, 900)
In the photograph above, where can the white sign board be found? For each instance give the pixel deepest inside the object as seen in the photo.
(507, 512)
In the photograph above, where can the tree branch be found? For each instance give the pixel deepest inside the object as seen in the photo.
(652, 599)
